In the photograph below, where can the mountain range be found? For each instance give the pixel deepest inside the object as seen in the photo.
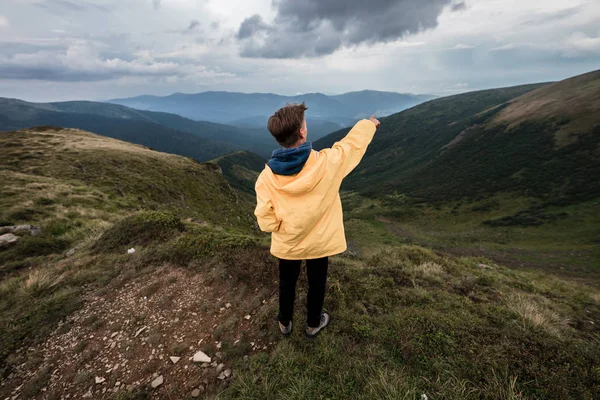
(161, 131)
(254, 108)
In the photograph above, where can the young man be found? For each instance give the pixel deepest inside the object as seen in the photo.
(297, 196)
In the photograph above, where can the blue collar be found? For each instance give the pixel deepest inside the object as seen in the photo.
(290, 161)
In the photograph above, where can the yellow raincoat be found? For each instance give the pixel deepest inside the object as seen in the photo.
(304, 211)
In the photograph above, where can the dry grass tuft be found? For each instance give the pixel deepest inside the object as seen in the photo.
(41, 281)
(538, 315)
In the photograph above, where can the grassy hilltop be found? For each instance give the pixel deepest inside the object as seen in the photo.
(407, 320)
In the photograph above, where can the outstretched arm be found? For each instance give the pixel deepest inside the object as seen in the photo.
(347, 153)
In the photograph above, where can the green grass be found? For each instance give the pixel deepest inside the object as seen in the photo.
(408, 322)
(567, 246)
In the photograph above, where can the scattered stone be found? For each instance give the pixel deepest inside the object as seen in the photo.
(483, 266)
(70, 252)
(195, 393)
(114, 334)
(247, 317)
(219, 355)
(219, 345)
(174, 359)
(228, 305)
(131, 251)
(220, 367)
(33, 230)
(88, 394)
(224, 375)
(140, 331)
(157, 382)
(8, 238)
(100, 379)
(200, 357)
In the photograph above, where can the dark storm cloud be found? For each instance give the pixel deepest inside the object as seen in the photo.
(312, 28)
(459, 6)
(252, 25)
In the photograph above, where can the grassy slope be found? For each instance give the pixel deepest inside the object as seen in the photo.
(467, 146)
(407, 321)
(75, 185)
(241, 169)
(475, 174)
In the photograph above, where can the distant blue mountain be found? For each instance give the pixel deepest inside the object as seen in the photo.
(232, 107)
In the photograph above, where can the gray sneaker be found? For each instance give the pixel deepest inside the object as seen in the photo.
(286, 330)
(312, 332)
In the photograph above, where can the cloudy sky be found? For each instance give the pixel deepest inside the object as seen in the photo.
(101, 49)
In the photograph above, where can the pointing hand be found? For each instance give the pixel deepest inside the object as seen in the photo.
(375, 121)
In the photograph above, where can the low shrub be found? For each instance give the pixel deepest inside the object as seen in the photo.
(139, 229)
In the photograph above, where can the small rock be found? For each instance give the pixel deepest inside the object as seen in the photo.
(195, 393)
(220, 367)
(100, 379)
(219, 345)
(131, 251)
(482, 266)
(88, 394)
(228, 305)
(70, 252)
(157, 382)
(8, 238)
(114, 334)
(247, 316)
(174, 360)
(224, 375)
(140, 331)
(200, 357)
(33, 230)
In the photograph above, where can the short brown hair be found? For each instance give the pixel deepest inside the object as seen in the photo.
(286, 123)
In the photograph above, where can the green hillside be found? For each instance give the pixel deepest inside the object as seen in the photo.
(469, 145)
(83, 318)
(508, 174)
(241, 170)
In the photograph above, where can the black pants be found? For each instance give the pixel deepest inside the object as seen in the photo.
(316, 272)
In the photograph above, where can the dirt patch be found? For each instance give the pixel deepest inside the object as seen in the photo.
(123, 340)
